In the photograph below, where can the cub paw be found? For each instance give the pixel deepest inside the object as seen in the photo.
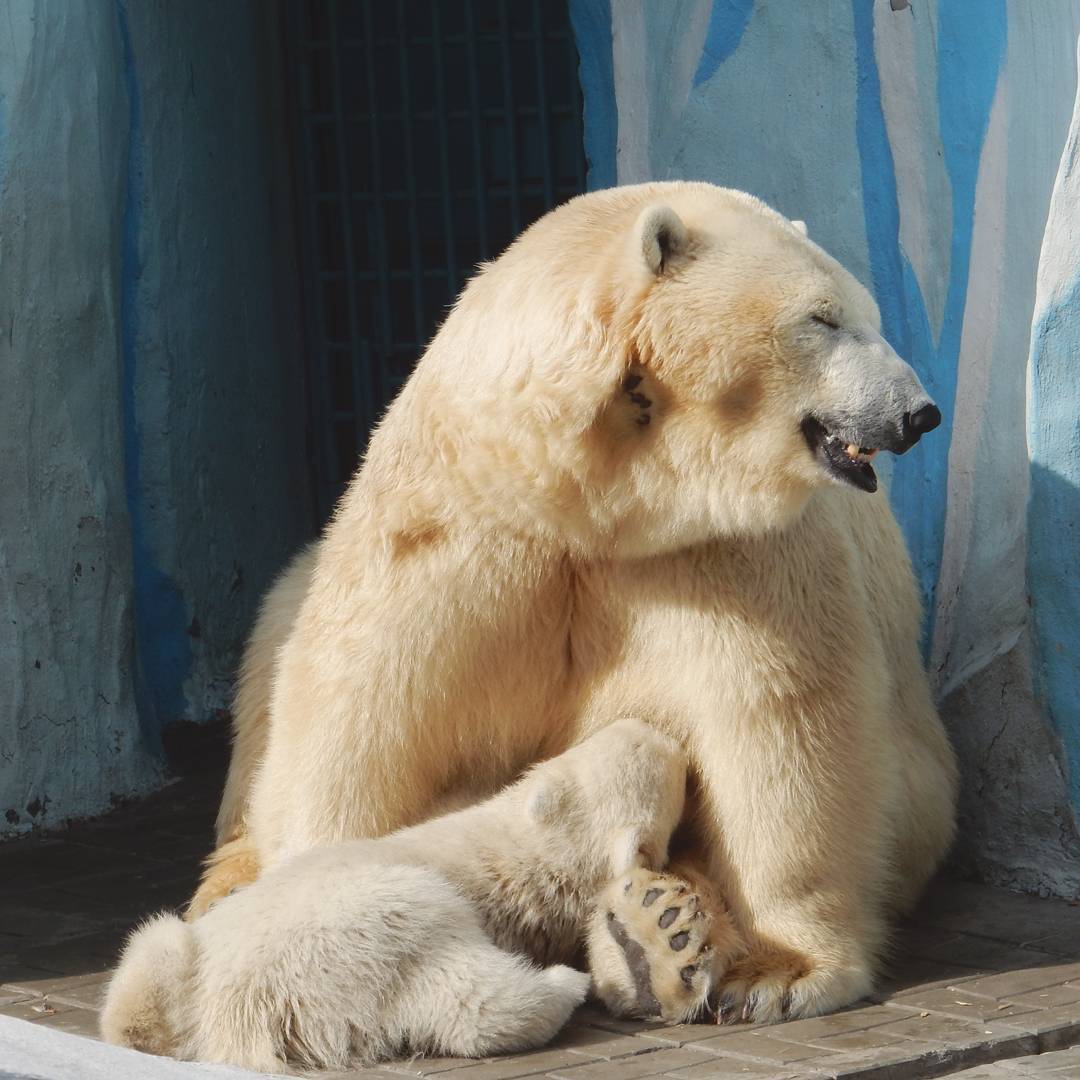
(656, 945)
(773, 984)
(567, 984)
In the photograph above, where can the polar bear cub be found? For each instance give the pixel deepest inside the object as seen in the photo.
(352, 953)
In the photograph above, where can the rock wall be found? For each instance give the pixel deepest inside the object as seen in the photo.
(153, 469)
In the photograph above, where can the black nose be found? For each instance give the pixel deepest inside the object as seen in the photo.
(918, 423)
(925, 419)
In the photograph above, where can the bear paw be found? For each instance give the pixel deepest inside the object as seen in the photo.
(655, 947)
(769, 985)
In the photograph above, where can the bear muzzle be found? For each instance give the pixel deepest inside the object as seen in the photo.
(844, 449)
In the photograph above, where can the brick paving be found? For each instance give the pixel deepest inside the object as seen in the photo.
(983, 983)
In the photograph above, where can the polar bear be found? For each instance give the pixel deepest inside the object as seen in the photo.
(347, 954)
(631, 475)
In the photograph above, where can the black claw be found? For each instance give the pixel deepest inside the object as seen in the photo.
(785, 1005)
(641, 399)
(724, 1009)
(667, 918)
(631, 382)
(687, 975)
(643, 420)
(650, 897)
(679, 941)
(611, 916)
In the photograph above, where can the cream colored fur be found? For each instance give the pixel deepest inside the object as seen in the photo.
(276, 615)
(351, 953)
(530, 551)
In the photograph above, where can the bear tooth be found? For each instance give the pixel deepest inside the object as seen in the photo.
(852, 451)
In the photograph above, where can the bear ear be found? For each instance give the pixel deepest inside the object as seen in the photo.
(801, 226)
(661, 237)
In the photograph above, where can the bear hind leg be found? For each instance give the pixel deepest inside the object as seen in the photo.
(482, 1000)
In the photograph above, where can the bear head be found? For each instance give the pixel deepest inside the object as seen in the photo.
(763, 360)
(655, 366)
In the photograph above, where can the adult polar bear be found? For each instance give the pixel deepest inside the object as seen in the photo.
(625, 479)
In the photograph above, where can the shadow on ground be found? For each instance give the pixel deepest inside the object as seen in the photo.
(976, 975)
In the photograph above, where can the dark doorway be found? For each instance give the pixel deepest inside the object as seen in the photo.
(428, 133)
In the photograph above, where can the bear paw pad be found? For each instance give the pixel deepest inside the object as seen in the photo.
(653, 947)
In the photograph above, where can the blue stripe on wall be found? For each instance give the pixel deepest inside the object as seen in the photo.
(591, 20)
(969, 65)
(162, 648)
(727, 24)
(881, 209)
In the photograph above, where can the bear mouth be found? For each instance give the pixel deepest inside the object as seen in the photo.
(841, 459)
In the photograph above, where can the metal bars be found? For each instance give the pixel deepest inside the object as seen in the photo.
(433, 131)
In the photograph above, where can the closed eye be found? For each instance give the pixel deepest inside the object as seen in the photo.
(824, 320)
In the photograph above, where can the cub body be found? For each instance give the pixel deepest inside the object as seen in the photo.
(424, 940)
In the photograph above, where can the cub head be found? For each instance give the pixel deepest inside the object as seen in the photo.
(762, 362)
(616, 797)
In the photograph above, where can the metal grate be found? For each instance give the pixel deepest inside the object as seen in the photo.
(430, 132)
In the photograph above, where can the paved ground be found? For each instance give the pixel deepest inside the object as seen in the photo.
(983, 983)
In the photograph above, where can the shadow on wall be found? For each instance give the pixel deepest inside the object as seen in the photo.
(1018, 824)
(1054, 580)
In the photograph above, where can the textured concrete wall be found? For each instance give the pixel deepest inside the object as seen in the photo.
(213, 376)
(150, 440)
(922, 146)
(69, 733)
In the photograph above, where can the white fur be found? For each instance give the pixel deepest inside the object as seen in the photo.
(522, 559)
(352, 953)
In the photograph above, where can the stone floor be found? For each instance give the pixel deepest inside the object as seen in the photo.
(983, 983)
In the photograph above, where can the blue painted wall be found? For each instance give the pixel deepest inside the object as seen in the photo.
(154, 474)
(214, 445)
(163, 652)
(69, 723)
(921, 146)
